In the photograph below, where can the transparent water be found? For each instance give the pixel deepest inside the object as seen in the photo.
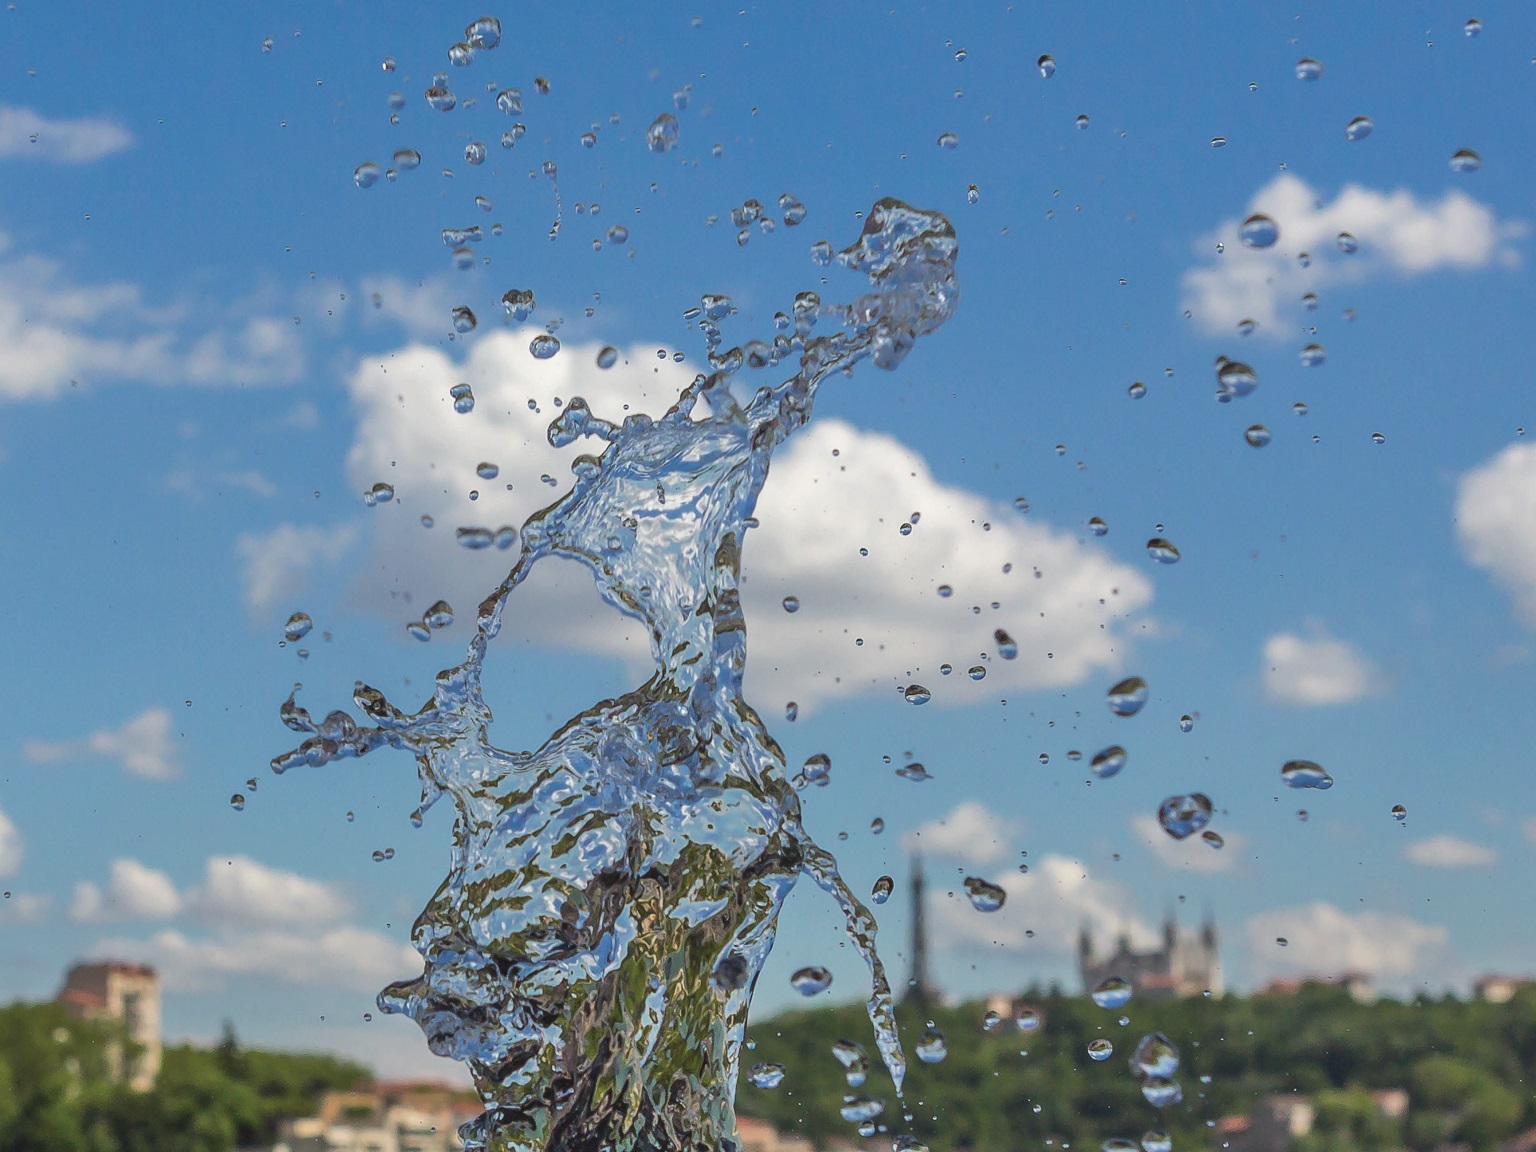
(612, 895)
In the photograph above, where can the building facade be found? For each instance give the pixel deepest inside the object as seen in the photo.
(1184, 964)
(129, 993)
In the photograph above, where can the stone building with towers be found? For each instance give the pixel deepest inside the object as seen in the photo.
(129, 993)
(1185, 963)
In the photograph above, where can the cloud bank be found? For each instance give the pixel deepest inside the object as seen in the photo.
(28, 135)
(142, 747)
(1316, 670)
(1496, 523)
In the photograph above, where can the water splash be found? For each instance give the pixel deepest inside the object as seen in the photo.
(613, 894)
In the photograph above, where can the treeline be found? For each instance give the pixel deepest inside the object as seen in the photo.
(1466, 1068)
(58, 1091)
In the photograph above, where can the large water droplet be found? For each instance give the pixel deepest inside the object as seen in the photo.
(857, 1109)
(298, 627)
(463, 398)
(791, 603)
(811, 980)
(1113, 992)
(1257, 435)
(406, 159)
(483, 33)
(1006, 646)
(765, 1075)
(1108, 762)
(1259, 231)
(661, 136)
(1162, 550)
(464, 319)
(881, 892)
(237, 802)
(914, 771)
(1235, 378)
(366, 174)
(1465, 160)
(1154, 1057)
(1305, 774)
(1399, 813)
(854, 1060)
(1308, 69)
(1028, 1019)
(441, 99)
(931, 1048)
(1097, 526)
(948, 141)
(1160, 1092)
(1128, 697)
(1359, 128)
(1047, 66)
(1100, 1049)
(1472, 27)
(1183, 816)
(543, 346)
(1313, 355)
(440, 615)
(380, 493)
(917, 694)
(985, 896)
(1156, 1140)
(817, 770)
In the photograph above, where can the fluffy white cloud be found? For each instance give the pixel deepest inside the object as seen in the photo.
(1053, 900)
(10, 846)
(1399, 234)
(834, 490)
(135, 892)
(347, 957)
(240, 890)
(277, 564)
(1191, 855)
(26, 134)
(1322, 939)
(57, 333)
(1317, 669)
(1496, 522)
(1446, 851)
(971, 832)
(143, 746)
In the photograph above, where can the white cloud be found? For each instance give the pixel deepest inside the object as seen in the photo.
(1399, 234)
(25, 134)
(971, 832)
(833, 490)
(277, 564)
(346, 956)
(1053, 900)
(135, 892)
(1496, 522)
(423, 309)
(240, 890)
(1317, 669)
(10, 846)
(1445, 851)
(24, 907)
(57, 333)
(143, 746)
(1322, 939)
(1191, 855)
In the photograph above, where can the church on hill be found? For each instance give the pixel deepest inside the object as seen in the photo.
(1185, 964)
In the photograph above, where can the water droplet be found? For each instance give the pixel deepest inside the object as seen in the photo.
(985, 896)
(440, 615)
(608, 356)
(383, 854)
(1235, 378)
(463, 398)
(380, 493)
(1257, 435)
(1006, 646)
(1308, 69)
(441, 99)
(474, 152)
(1162, 550)
(766, 1076)
(1137, 390)
(977, 672)
(1183, 816)
(913, 771)
(461, 55)
(1097, 526)
(1156, 1140)
(793, 211)
(1399, 813)
(1119, 1144)
(510, 101)
(1128, 697)
(1299, 408)
(484, 32)
(857, 1109)
(931, 1049)
(1472, 27)
(1246, 326)
(948, 141)
(661, 136)
(1358, 128)
(1155, 1057)
(406, 159)
(1465, 160)
(854, 1059)
(237, 802)
(519, 303)
(1113, 992)
(877, 826)
(1100, 1049)
(464, 319)
(881, 892)
(1259, 231)
(817, 770)
(366, 174)
(944, 591)
(973, 195)
(990, 1020)
(1047, 66)
(419, 631)
(1313, 355)
(474, 538)
(1186, 723)
(791, 603)
(1214, 839)
(917, 694)
(1160, 1092)
(1347, 243)
(1108, 762)
(809, 981)
(1309, 301)
(1378, 438)
(1305, 774)
(1081, 121)
(298, 627)
(543, 346)
(1028, 1019)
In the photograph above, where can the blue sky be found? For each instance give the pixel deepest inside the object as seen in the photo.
(212, 342)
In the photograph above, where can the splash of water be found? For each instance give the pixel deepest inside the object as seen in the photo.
(613, 895)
